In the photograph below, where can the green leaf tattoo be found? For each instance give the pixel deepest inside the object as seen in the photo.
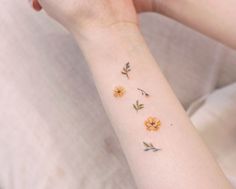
(126, 70)
(150, 147)
(138, 106)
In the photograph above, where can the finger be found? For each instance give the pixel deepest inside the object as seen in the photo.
(143, 5)
(36, 5)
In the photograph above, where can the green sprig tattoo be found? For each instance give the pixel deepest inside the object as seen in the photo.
(126, 70)
(138, 106)
(150, 147)
(143, 92)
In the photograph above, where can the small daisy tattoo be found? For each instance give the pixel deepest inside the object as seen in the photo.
(119, 91)
(152, 124)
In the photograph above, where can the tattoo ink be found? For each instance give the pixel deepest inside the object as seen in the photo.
(138, 106)
(152, 124)
(143, 92)
(126, 70)
(150, 147)
(119, 92)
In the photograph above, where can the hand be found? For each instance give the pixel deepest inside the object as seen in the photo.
(79, 15)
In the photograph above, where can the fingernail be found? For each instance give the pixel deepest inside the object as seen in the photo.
(36, 5)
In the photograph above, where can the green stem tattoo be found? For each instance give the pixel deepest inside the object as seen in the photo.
(143, 92)
(149, 147)
(138, 106)
(126, 70)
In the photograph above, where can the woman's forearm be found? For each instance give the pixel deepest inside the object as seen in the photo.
(214, 18)
(159, 141)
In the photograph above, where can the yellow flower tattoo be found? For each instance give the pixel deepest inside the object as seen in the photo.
(119, 91)
(152, 124)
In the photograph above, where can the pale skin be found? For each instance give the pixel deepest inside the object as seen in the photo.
(108, 35)
(215, 19)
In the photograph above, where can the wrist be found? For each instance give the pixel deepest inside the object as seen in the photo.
(105, 42)
(96, 35)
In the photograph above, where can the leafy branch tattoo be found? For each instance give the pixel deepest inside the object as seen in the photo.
(143, 92)
(150, 147)
(126, 70)
(138, 106)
